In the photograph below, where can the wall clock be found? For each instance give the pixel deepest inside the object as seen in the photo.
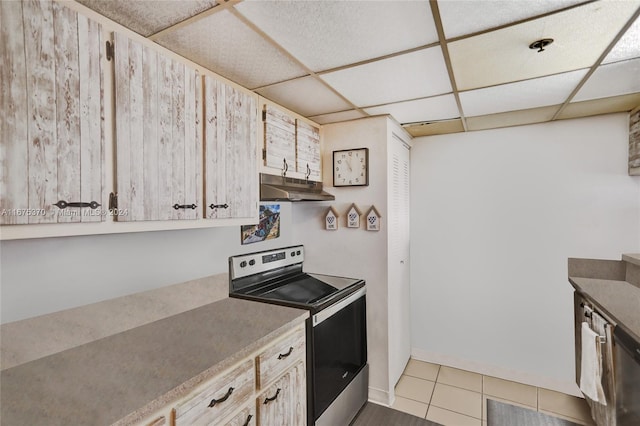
(351, 167)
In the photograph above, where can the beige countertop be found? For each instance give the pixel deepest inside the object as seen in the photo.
(130, 375)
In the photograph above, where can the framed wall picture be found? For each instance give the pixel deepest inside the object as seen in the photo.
(267, 228)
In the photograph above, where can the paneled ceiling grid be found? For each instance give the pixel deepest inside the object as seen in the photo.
(420, 61)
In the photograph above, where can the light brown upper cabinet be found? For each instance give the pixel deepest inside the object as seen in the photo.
(308, 150)
(52, 125)
(291, 146)
(279, 140)
(158, 135)
(231, 144)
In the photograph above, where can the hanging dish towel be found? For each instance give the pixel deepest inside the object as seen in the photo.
(590, 378)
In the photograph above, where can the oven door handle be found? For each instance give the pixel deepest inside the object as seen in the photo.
(338, 306)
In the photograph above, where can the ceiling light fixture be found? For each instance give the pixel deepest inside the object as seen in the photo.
(541, 44)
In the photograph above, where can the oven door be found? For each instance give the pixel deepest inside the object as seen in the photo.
(339, 348)
(627, 378)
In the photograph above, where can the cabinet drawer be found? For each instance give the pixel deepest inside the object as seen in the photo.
(246, 417)
(277, 358)
(218, 398)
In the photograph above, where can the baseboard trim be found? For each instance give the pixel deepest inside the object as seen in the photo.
(495, 371)
(380, 397)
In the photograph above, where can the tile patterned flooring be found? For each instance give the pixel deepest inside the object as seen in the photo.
(458, 398)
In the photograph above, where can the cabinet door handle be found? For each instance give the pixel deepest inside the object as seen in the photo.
(249, 417)
(218, 206)
(223, 399)
(273, 398)
(184, 206)
(285, 167)
(280, 356)
(64, 204)
(308, 172)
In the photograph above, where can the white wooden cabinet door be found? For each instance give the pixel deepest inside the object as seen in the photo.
(158, 135)
(284, 402)
(279, 140)
(231, 168)
(308, 151)
(51, 109)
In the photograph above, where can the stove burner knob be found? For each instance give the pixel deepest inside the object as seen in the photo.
(293, 253)
(252, 262)
(243, 264)
(298, 252)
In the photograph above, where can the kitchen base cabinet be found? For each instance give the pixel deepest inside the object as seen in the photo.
(246, 417)
(241, 396)
(219, 398)
(284, 402)
(584, 311)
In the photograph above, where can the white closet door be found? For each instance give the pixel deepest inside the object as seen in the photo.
(399, 296)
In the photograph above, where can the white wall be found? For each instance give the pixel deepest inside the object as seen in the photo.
(353, 252)
(46, 275)
(494, 216)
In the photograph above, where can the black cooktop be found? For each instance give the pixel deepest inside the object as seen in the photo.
(304, 289)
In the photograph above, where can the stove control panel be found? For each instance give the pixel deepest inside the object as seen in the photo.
(253, 263)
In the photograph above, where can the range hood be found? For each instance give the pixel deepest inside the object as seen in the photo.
(278, 188)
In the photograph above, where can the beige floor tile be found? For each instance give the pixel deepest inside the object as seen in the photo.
(495, 398)
(414, 388)
(422, 370)
(560, 403)
(511, 391)
(459, 400)
(410, 406)
(460, 378)
(449, 418)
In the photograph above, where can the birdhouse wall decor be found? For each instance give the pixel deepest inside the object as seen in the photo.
(353, 216)
(331, 219)
(373, 219)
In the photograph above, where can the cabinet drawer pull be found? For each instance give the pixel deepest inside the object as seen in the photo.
(223, 399)
(249, 417)
(218, 206)
(280, 356)
(273, 398)
(63, 204)
(184, 206)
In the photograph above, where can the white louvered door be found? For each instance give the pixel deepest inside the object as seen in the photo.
(399, 294)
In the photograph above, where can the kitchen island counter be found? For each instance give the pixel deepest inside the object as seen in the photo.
(126, 377)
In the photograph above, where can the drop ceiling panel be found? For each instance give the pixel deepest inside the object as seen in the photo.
(148, 17)
(468, 17)
(225, 45)
(512, 118)
(307, 96)
(325, 35)
(413, 75)
(618, 78)
(628, 47)
(338, 116)
(436, 108)
(581, 35)
(526, 94)
(600, 106)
